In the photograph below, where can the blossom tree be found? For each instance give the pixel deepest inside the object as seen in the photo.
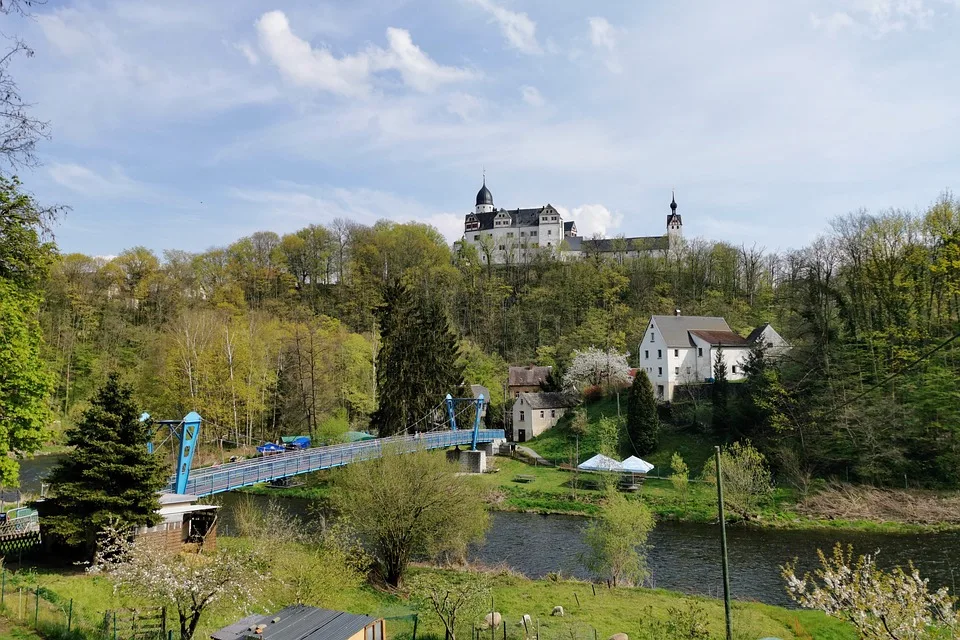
(595, 367)
(189, 582)
(882, 605)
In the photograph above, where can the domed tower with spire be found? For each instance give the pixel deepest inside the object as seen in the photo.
(484, 198)
(674, 223)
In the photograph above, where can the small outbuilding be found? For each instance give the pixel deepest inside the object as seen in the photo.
(183, 521)
(300, 622)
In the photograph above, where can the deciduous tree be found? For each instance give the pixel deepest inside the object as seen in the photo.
(617, 538)
(410, 506)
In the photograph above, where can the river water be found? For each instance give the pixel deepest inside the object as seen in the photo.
(682, 557)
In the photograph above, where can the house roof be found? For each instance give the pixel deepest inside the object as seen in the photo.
(676, 329)
(477, 389)
(646, 243)
(527, 376)
(756, 333)
(548, 400)
(297, 622)
(567, 226)
(721, 338)
(518, 217)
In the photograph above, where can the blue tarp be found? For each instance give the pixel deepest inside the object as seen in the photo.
(269, 448)
(299, 442)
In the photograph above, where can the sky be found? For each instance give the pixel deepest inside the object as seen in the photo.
(187, 125)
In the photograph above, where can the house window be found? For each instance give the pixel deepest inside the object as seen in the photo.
(676, 353)
(646, 354)
(651, 336)
(502, 247)
(659, 373)
(549, 232)
(533, 233)
(509, 234)
(659, 353)
(541, 414)
(476, 237)
(516, 394)
(553, 413)
(700, 351)
(676, 371)
(660, 391)
(523, 233)
(688, 370)
(521, 416)
(733, 369)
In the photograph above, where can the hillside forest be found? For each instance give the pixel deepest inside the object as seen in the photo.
(279, 334)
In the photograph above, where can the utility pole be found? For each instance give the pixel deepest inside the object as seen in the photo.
(723, 548)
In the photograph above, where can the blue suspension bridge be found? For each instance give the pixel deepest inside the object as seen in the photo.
(207, 481)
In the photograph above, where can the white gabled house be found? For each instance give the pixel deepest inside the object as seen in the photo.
(679, 350)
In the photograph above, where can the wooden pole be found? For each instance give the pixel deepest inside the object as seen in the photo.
(723, 548)
(70, 616)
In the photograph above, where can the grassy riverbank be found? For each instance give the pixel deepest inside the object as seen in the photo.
(641, 613)
(548, 490)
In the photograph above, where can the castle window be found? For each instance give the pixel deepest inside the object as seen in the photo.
(476, 237)
(523, 233)
(502, 247)
(553, 218)
(549, 232)
(510, 234)
(533, 233)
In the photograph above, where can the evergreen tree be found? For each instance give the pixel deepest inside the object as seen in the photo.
(643, 423)
(762, 410)
(418, 363)
(720, 394)
(554, 380)
(108, 478)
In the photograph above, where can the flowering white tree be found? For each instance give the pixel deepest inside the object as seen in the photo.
(188, 582)
(595, 367)
(894, 605)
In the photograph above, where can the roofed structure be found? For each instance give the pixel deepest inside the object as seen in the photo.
(529, 376)
(721, 338)
(299, 622)
(676, 329)
(549, 400)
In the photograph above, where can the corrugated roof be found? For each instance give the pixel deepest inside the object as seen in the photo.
(721, 338)
(297, 622)
(676, 329)
(527, 376)
(548, 400)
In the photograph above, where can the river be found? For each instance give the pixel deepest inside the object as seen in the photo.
(682, 557)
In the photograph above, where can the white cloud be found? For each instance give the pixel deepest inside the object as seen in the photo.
(294, 205)
(87, 182)
(350, 75)
(532, 96)
(592, 219)
(247, 51)
(878, 17)
(603, 37)
(517, 27)
(466, 106)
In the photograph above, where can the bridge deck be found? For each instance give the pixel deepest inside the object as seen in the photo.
(226, 477)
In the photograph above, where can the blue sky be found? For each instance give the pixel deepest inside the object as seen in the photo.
(190, 124)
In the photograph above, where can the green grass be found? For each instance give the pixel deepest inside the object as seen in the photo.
(609, 611)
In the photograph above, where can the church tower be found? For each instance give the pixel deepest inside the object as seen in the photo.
(674, 223)
(484, 198)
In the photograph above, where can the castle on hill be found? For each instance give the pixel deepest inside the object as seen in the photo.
(512, 236)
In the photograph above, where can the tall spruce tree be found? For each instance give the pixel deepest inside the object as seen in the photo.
(643, 423)
(720, 394)
(417, 365)
(108, 478)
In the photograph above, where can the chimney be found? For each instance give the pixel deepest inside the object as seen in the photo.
(676, 312)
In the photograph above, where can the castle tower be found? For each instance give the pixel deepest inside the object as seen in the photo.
(674, 223)
(484, 198)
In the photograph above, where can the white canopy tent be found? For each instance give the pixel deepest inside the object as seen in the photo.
(600, 462)
(633, 464)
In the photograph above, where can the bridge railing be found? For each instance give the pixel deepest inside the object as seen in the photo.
(283, 465)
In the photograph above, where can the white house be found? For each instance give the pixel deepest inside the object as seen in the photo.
(516, 236)
(534, 413)
(680, 349)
